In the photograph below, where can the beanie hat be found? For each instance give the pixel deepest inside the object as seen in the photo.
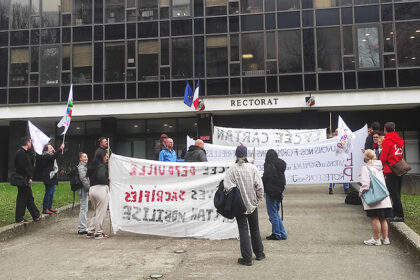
(241, 151)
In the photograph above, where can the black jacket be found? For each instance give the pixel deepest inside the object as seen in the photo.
(274, 179)
(228, 205)
(47, 165)
(24, 164)
(369, 142)
(98, 175)
(195, 154)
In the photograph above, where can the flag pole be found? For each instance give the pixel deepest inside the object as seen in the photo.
(64, 139)
(110, 223)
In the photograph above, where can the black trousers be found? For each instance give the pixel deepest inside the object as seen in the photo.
(25, 199)
(245, 241)
(393, 183)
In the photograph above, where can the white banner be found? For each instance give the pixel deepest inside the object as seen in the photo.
(226, 136)
(167, 198)
(311, 163)
(39, 139)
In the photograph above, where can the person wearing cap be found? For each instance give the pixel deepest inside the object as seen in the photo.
(160, 145)
(246, 177)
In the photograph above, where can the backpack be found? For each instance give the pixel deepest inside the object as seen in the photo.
(74, 178)
(228, 205)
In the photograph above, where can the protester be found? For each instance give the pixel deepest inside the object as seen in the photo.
(375, 126)
(392, 152)
(274, 184)
(49, 169)
(168, 153)
(380, 211)
(99, 195)
(103, 146)
(83, 193)
(196, 153)
(380, 140)
(246, 177)
(24, 166)
(375, 146)
(160, 145)
(346, 186)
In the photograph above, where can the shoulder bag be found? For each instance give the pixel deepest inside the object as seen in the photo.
(377, 190)
(400, 168)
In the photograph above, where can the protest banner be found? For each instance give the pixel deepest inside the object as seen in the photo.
(310, 163)
(167, 198)
(226, 136)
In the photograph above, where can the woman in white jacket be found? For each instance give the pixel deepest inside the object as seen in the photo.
(379, 211)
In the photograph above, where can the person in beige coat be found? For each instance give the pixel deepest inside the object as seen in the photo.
(380, 211)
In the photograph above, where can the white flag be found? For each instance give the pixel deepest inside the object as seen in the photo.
(39, 139)
(344, 137)
(65, 121)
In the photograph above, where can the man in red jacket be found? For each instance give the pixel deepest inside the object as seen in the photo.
(392, 152)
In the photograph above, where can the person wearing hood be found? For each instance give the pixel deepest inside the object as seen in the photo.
(49, 175)
(392, 152)
(379, 211)
(196, 153)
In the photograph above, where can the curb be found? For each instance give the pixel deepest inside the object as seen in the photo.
(408, 237)
(13, 230)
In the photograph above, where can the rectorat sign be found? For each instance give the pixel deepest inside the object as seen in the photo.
(254, 102)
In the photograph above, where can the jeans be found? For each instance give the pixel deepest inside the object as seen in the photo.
(25, 199)
(245, 243)
(84, 202)
(48, 197)
(393, 183)
(273, 206)
(345, 186)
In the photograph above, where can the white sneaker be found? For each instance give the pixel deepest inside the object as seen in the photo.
(385, 241)
(372, 242)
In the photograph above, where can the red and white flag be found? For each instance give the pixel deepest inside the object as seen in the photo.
(196, 99)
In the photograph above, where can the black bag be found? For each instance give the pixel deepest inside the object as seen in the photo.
(228, 205)
(16, 179)
(74, 178)
(353, 197)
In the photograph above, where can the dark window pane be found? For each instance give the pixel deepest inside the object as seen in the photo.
(199, 56)
(164, 12)
(407, 11)
(217, 56)
(389, 61)
(408, 40)
(51, 94)
(4, 14)
(198, 8)
(272, 84)
(182, 53)
(82, 12)
(308, 50)
(371, 79)
(235, 86)
(285, 5)
(114, 62)
(388, 38)
(131, 91)
(35, 36)
(50, 36)
(33, 79)
(164, 28)
(307, 18)
(148, 90)
(286, 20)
(81, 34)
(33, 95)
(310, 82)
(349, 63)
(148, 29)
(3, 96)
(19, 13)
(114, 91)
(114, 32)
(217, 87)
(290, 83)
(165, 89)
(329, 49)
(235, 69)
(391, 80)
(366, 14)
(330, 81)
(253, 54)
(98, 93)
(19, 38)
(216, 25)
(3, 67)
(4, 39)
(250, 6)
(253, 85)
(181, 27)
(148, 60)
(271, 67)
(66, 35)
(131, 31)
(198, 26)
(98, 62)
(271, 45)
(327, 17)
(386, 12)
(348, 40)
(362, 2)
(147, 9)
(82, 93)
(179, 86)
(98, 32)
(18, 95)
(50, 65)
(350, 80)
(233, 24)
(114, 11)
(270, 21)
(289, 51)
(409, 77)
(164, 53)
(98, 11)
(252, 22)
(307, 4)
(65, 78)
(368, 47)
(214, 8)
(347, 15)
(19, 67)
(34, 59)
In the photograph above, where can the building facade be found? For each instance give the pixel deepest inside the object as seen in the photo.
(129, 60)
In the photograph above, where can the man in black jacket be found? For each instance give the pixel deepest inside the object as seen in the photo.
(196, 153)
(103, 147)
(24, 166)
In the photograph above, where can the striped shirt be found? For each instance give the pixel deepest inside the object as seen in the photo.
(247, 178)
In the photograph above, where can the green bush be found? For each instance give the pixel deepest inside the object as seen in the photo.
(62, 196)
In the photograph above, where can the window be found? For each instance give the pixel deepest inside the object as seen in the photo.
(368, 47)
(4, 14)
(319, 4)
(149, 60)
(82, 13)
(50, 13)
(408, 39)
(289, 51)
(82, 64)
(148, 9)
(3, 67)
(50, 65)
(328, 49)
(34, 59)
(114, 62)
(181, 8)
(19, 63)
(252, 6)
(182, 53)
(114, 11)
(216, 7)
(19, 13)
(65, 63)
(284, 5)
(253, 54)
(217, 56)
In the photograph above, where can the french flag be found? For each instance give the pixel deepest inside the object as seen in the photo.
(196, 95)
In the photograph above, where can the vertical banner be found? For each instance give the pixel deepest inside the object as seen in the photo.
(167, 198)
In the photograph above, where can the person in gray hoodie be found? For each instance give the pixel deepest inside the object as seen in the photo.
(83, 193)
(196, 153)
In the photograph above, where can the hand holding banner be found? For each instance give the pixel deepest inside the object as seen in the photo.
(39, 139)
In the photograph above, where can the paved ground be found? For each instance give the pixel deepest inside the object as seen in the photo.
(325, 242)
